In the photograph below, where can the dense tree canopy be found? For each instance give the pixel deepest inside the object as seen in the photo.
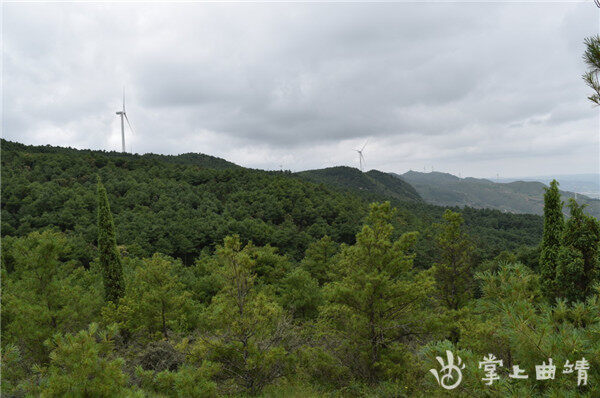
(183, 205)
(243, 282)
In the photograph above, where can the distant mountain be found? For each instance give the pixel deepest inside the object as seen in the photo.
(586, 184)
(373, 182)
(445, 189)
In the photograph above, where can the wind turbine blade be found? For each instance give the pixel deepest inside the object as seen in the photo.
(124, 99)
(128, 123)
(363, 147)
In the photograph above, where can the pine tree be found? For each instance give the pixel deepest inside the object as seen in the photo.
(45, 293)
(577, 267)
(110, 261)
(83, 365)
(156, 303)
(318, 258)
(245, 329)
(592, 60)
(453, 273)
(551, 239)
(377, 301)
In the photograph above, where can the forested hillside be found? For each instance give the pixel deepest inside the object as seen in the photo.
(445, 189)
(373, 183)
(177, 206)
(189, 276)
(181, 205)
(586, 184)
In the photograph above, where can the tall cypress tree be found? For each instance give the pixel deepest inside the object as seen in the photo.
(577, 269)
(110, 261)
(551, 240)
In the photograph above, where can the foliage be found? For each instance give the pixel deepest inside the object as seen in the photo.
(159, 356)
(318, 259)
(245, 329)
(513, 321)
(578, 268)
(43, 294)
(82, 365)
(300, 294)
(110, 260)
(370, 184)
(454, 273)
(592, 60)
(304, 297)
(183, 206)
(155, 302)
(376, 301)
(187, 382)
(569, 252)
(551, 238)
(177, 207)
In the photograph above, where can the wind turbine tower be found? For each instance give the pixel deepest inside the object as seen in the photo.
(124, 117)
(361, 158)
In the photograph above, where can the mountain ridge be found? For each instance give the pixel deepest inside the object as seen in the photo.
(373, 182)
(188, 158)
(445, 189)
(436, 188)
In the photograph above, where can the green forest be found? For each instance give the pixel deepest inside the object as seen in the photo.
(189, 276)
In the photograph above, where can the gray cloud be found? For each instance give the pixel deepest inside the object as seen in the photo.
(474, 88)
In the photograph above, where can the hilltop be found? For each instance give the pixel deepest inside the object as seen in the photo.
(190, 159)
(374, 182)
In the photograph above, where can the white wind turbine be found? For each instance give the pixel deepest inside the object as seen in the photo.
(361, 158)
(124, 117)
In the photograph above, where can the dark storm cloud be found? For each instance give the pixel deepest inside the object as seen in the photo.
(470, 87)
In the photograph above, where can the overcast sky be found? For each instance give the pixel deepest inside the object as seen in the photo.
(470, 88)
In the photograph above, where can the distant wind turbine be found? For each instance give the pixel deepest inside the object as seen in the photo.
(124, 117)
(361, 158)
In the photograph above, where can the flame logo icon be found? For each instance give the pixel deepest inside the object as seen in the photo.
(449, 372)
